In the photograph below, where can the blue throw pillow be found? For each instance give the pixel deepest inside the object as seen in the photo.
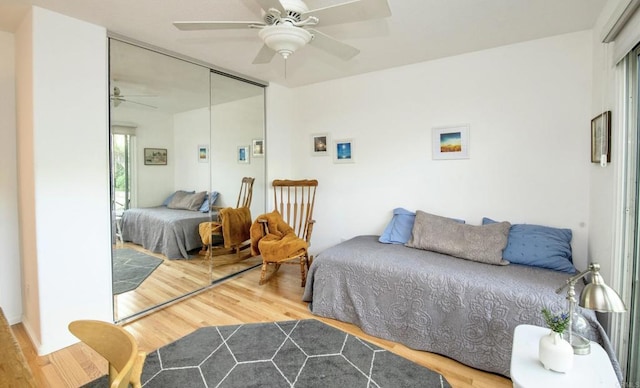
(208, 201)
(539, 246)
(399, 229)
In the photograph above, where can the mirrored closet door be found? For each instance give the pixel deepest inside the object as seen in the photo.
(182, 139)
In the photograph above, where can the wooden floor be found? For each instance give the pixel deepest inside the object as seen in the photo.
(239, 300)
(177, 277)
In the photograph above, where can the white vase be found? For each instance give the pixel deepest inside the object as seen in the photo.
(555, 353)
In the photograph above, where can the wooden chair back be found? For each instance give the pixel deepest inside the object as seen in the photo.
(114, 344)
(295, 200)
(246, 193)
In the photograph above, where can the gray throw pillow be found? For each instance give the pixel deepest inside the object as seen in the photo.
(482, 243)
(187, 201)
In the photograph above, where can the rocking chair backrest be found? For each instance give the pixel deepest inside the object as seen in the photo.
(246, 193)
(294, 200)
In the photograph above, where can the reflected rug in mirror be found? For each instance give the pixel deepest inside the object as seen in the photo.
(304, 353)
(131, 268)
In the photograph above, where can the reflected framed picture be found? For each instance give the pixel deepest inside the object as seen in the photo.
(343, 151)
(243, 154)
(601, 138)
(320, 144)
(450, 142)
(155, 156)
(203, 153)
(257, 148)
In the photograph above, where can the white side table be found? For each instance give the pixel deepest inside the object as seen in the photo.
(592, 370)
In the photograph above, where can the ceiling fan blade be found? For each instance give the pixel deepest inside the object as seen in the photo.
(266, 4)
(138, 95)
(265, 55)
(138, 103)
(193, 26)
(332, 46)
(350, 11)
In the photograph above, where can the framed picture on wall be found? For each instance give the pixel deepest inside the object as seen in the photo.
(343, 151)
(320, 144)
(450, 142)
(257, 148)
(243, 154)
(203, 153)
(601, 138)
(155, 156)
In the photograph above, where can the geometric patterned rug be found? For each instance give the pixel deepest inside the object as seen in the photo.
(305, 353)
(131, 268)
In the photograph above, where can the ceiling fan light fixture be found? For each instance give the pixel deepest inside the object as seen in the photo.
(285, 39)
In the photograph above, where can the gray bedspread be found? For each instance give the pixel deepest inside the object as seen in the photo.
(461, 309)
(172, 232)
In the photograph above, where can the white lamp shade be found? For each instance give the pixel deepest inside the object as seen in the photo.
(284, 38)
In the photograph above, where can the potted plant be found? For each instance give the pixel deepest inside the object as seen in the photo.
(554, 352)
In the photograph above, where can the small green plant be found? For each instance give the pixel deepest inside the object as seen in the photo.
(557, 323)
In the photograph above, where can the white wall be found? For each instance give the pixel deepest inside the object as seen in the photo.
(154, 182)
(191, 128)
(10, 276)
(235, 124)
(63, 175)
(528, 106)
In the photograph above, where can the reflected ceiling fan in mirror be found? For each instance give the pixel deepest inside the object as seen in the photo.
(118, 98)
(287, 26)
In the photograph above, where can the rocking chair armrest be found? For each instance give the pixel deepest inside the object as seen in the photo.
(217, 208)
(265, 224)
(310, 230)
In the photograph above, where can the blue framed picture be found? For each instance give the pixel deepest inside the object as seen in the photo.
(243, 154)
(343, 151)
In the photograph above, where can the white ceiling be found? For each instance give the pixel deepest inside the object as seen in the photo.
(418, 30)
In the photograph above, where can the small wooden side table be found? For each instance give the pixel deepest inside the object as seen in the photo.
(591, 370)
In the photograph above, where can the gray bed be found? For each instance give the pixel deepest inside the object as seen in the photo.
(428, 301)
(172, 232)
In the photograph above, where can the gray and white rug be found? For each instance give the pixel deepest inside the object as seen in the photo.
(131, 268)
(305, 353)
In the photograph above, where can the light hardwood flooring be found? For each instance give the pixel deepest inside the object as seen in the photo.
(174, 278)
(238, 300)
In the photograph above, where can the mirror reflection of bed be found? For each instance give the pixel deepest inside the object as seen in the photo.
(176, 126)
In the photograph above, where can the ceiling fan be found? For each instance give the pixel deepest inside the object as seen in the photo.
(287, 26)
(118, 98)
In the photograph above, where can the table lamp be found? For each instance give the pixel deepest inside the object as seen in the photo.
(595, 296)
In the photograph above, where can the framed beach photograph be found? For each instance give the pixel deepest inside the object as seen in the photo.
(601, 138)
(320, 144)
(257, 148)
(450, 142)
(203, 153)
(343, 151)
(155, 156)
(243, 154)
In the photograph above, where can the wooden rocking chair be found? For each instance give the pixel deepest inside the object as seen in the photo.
(230, 233)
(294, 200)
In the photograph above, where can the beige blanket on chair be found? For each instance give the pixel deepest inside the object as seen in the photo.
(279, 242)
